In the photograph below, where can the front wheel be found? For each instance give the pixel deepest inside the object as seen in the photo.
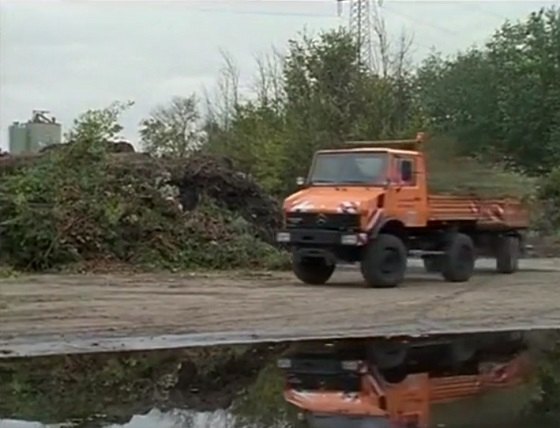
(383, 262)
(313, 271)
(459, 258)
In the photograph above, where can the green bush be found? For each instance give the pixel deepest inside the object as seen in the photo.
(549, 195)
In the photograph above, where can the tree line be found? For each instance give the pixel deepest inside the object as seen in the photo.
(499, 101)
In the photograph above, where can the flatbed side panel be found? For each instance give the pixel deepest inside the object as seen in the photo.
(487, 213)
(505, 212)
(452, 208)
(453, 388)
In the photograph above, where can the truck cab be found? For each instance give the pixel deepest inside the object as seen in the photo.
(369, 202)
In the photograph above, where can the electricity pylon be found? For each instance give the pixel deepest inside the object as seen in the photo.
(360, 28)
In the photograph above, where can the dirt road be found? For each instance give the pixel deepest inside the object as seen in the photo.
(48, 314)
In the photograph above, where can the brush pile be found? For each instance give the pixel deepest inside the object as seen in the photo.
(451, 173)
(82, 202)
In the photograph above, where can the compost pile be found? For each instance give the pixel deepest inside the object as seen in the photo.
(75, 203)
(468, 177)
(449, 172)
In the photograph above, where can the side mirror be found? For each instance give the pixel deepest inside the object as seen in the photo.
(300, 181)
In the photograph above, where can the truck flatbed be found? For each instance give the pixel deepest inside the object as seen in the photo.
(65, 314)
(488, 213)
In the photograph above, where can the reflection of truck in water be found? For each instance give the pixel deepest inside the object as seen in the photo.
(370, 203)
(380, 384)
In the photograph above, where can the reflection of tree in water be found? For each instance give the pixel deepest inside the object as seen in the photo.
(231, 390)
(262, 405)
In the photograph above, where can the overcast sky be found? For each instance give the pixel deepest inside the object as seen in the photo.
(67, 56)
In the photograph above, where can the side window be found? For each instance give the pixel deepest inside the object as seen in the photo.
(406, 172)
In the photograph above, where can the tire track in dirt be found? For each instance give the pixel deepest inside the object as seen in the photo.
(53, 314)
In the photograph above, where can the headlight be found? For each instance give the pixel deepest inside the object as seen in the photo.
(349, 239)
(282, 237)
(350, 365)
(284, 363)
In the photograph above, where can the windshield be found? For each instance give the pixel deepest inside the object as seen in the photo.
(349, 168)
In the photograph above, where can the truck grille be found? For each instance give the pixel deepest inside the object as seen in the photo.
(323, 221)
(347, 382)
(322, 372)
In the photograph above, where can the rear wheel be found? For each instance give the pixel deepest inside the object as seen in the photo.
(383, 262)
(461, 351)
(459, 258)
(313, 271)
(507, 254)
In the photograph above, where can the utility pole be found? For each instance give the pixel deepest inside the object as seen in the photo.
(360, 28)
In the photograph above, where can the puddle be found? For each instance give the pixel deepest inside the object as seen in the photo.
(463, 381)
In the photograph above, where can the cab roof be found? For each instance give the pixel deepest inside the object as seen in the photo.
(371, 150)
(411, 147)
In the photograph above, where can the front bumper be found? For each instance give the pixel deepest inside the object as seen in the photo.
(318, 237)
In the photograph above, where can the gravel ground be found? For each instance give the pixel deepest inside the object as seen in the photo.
(55, 314)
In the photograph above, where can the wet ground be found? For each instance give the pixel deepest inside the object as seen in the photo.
(59, 334)
(50, 314)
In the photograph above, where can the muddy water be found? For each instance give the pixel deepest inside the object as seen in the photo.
(502, 409)
(165, 391)
(490, 412)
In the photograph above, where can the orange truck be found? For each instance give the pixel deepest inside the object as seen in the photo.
(333, 389)
(370, 203)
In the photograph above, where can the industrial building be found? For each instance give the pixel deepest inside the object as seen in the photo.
(30, 137)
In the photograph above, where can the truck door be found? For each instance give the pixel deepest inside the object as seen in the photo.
(409, 191)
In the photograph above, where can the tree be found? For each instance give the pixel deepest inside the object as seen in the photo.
(173, 129)
(504, 98)
(315, 96)
(332, 97)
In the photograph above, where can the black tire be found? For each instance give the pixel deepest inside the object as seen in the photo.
(432, 264)
(507, 254)
(383, 262)
(386, 357)
(459, 258)
(312, 271)
(461, 351)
